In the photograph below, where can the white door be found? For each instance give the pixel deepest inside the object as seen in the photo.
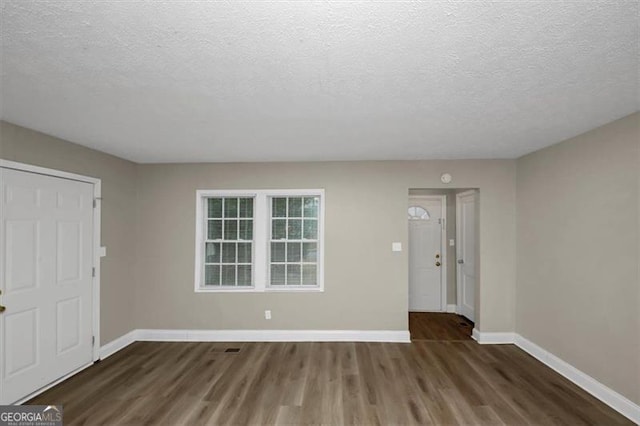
(466, 234)
(46, 236)
(425, 261)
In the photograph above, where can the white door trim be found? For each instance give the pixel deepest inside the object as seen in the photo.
(97, 194)
(458, 245)
(443, 245)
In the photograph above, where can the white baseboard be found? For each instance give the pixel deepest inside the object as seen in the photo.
(452, 308)
(605, 394)
(492, 338)
(118, 344)
(274, 335)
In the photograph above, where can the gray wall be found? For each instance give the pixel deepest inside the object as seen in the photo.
(578, 285)
(118, 213)
(365, 283)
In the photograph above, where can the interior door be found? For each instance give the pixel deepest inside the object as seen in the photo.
(466, 209)
(425, 261)
(46, 236)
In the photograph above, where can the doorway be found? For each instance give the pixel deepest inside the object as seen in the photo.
(49, 293)
(443, 263)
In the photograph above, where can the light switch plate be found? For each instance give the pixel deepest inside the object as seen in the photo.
(452, 242)
(396, 246)
(103, 251)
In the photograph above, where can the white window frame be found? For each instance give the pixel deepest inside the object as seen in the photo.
(261, 239)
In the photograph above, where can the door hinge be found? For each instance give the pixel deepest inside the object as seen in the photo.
(95, 202)
(93, 340)
(93, 272)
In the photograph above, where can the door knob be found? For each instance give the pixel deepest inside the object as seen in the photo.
(2, 309)
(437, 263)
(460, 261)
(437, 256)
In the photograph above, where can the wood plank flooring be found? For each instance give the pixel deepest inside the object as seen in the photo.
(439, 326)
(444, 383)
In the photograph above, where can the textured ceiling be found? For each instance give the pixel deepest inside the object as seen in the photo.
(175, 81)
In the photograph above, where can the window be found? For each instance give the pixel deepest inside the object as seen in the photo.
(228, 247)
(269, 240)
(294, 241)
(417, 213)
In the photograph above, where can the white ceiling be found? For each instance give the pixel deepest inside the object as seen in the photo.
(177, 81)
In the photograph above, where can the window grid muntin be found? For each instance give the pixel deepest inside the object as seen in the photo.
(304, 217)
(229, 215)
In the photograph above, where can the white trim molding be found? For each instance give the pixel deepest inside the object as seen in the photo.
(118, 344)
(605, 394)
(395, 336)
(452, 308)
(492, 338)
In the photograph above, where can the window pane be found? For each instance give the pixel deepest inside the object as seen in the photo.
(246, 207)
(295, 207)
(309, 252)
(244, 252)
(228, 252)
(311, 206)
(295, 229)
(212, 253)
(279, 229)
(310, 229)
(230, 229)
(277, 274)
(277, 252)
(214, 208)
(215, 230)
(293, 274)
(230, 207)
(309, 275)
(246, 230)
(279, 207)
(228, 275)
(244, 275)
(293, 252)
(212, 275)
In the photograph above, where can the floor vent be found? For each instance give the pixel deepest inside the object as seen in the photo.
(232, 350)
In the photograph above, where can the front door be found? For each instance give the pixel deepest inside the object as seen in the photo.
(425, 254)
(46, 235)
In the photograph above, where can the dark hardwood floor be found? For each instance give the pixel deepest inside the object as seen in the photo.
(439, 326)
(425, 382)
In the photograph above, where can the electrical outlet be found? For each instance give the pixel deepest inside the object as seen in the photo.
(396, 246)
(267, 314)
(452, 242)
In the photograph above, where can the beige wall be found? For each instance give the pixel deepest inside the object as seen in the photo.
(578, 286)
(366, 284)
(118, 212)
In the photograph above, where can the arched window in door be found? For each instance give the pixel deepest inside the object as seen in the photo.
(417, 213)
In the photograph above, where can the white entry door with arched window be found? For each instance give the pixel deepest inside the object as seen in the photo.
(426, 263)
